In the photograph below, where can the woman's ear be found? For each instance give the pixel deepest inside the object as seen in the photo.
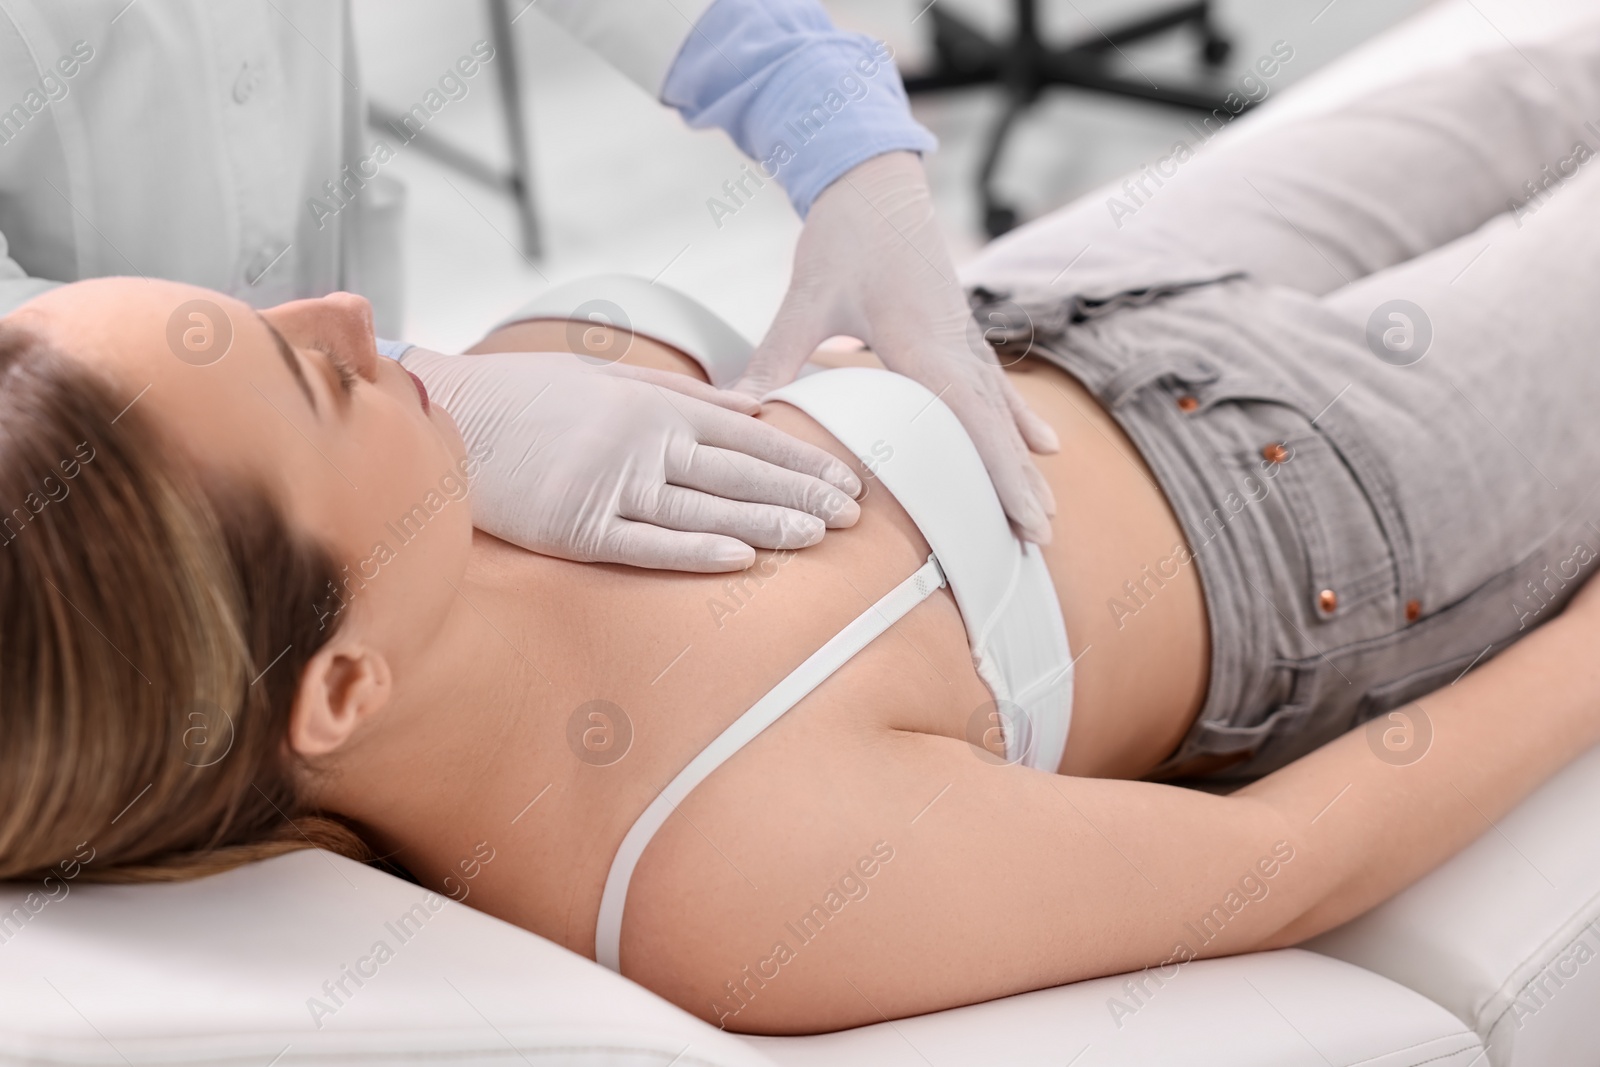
(343, 686)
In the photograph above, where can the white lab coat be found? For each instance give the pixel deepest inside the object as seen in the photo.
(190, 137)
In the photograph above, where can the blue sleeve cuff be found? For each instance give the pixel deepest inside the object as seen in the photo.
(804, 99)
(394, 349)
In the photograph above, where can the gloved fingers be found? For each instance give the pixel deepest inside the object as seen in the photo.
(736, 433)
(760, 525)
(743, 403)
(448, 378)
(962, 371)
(1039, 435)
(795, 333)
(736, 476)
(1041, 489)
(982, 409)
(639, 544)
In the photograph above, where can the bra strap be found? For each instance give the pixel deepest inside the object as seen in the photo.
(822, 663)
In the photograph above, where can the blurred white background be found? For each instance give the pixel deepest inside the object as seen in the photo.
(621, 183)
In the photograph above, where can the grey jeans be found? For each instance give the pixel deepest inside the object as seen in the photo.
(1361, 354)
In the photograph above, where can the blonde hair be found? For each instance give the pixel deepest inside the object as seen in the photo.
(152, 633)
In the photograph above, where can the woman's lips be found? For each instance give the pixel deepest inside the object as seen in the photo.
(422, 392)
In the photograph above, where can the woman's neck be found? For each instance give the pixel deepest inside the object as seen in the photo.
(425, 768)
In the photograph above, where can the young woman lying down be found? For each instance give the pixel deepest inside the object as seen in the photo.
(921, 764)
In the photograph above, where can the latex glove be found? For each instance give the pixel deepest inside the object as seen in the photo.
(622, 464)
(872, 263)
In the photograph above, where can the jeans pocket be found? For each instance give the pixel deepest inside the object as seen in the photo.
(1325, 517)
(1326, 496)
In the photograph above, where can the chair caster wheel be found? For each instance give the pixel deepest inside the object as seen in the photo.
(1216, 49)
(998, 219)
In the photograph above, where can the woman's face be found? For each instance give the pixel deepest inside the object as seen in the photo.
(294, 399)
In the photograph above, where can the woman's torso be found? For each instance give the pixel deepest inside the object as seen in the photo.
(624, 676)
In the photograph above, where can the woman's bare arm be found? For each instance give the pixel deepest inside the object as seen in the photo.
(1005, 879)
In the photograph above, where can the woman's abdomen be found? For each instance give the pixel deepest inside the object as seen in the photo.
(1130, 592)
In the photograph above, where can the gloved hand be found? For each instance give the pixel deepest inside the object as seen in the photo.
(871, 263)
(622, 464)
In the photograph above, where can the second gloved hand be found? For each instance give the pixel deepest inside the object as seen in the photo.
(622, 464)
(871, 263)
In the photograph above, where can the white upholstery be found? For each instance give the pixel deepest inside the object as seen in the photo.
(1271, 1009)
(1439, 35)
(220, 971)
(224, 970)
(1505, 934)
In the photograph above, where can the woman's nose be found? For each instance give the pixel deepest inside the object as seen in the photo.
(341, 322)
(354, 313)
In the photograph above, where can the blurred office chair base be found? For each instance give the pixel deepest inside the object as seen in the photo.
(1025, 65)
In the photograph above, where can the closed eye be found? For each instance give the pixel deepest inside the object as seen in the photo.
(347, 374)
